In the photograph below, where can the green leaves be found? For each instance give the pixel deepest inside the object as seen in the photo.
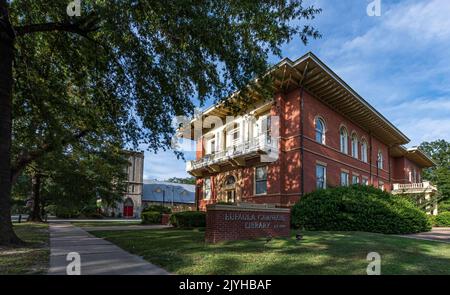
(358, 208)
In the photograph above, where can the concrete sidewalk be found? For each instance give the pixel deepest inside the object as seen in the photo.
(98, 256)
(440, 234)
(124, 227)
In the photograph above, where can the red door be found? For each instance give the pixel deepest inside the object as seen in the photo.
(127, 211)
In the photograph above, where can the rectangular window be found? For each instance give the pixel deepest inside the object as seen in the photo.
(207, 188)
(344, 179)
(321, 176)
(212, 147)
(365, 181)
(261, 180)
(355, 179)
(381, 185)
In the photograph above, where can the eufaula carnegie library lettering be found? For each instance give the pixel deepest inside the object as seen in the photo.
(237, 222)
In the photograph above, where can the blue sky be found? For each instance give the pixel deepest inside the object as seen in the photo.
(399, 62)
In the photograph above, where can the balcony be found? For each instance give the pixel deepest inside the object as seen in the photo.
(262, 146)
(413, 188)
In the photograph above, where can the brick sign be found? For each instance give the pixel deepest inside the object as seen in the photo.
(232, 222)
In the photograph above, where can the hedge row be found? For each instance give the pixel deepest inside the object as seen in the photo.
(188, 219)
(151, 217)
(442, 219)
(358, 208)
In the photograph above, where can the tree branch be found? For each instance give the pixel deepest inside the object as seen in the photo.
(54, 27)
(28, 157)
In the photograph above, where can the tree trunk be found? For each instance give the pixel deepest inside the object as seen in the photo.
(7, 235)
(35, 214)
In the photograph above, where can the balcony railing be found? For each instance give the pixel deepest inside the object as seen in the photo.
(420, 186)
(262, 144)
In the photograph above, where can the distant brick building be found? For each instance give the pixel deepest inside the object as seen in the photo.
(316, 132)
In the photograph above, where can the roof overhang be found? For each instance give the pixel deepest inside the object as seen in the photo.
(415, 155)
(321, 82)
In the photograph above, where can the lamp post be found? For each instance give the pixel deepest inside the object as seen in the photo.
(158, 190)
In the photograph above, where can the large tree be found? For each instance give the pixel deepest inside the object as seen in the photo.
(152, 58)
(439, 151)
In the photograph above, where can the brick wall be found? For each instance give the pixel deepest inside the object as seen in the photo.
(284, 175)
(227, 223)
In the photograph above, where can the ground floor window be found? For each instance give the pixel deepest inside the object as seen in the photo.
(365, 181)
(355, 179)
(207, 188)
(321, 175)
(231, 196)
(381, 185)
(261, 180)
(344, 179)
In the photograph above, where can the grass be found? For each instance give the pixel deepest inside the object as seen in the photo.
(184, 252)
(104, 223)
(33, 257)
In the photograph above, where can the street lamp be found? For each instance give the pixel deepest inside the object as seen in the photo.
(158, 190)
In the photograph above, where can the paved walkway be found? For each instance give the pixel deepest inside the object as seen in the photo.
(98, 256)
(440, 234)
(123, 227)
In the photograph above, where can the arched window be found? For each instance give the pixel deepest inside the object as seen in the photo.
(380, 160)
(320, 131)
(344, 140)
(354, 146)
(230, 180)
(364, 150)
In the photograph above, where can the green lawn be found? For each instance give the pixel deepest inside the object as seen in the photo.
(104, 223)
(29, 259)
(184, 252)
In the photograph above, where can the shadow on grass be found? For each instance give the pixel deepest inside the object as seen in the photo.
(185, 252)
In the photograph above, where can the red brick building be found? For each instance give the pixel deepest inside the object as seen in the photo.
(316, 132)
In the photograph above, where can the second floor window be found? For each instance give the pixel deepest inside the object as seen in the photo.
(261, 180)
(212, 147)
(320, 131)
(344, 179)
(380, 160)
(364, 151)
(207, 188)
(344, 140)
(321, 175)
(355, 146)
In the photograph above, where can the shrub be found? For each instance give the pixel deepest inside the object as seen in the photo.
(358, 208)
(158, 208)
(188, 219)
(151, 217)
(442, 219)
(444, 206)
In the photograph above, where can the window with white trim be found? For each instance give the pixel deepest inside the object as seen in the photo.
(344, 140)
(355, 146)
(344, 178)
(261, 180)
(320, 131)
(365, 181)
(207, 188)
(380, 160)
(355, 179)
(381, 185)
(364, 151)
(321, 176)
